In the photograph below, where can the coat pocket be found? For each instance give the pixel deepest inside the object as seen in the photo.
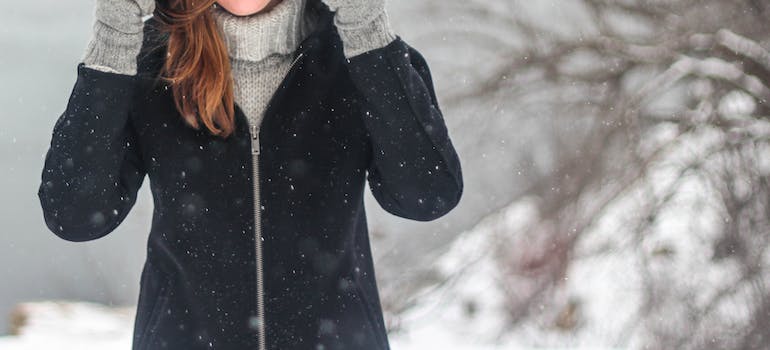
(346, 322)
(369, 312)
(159, 306)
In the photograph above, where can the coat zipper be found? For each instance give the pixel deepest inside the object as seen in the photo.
(258, 238)
(254, 129)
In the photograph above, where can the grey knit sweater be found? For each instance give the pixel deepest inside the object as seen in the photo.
(260, 46)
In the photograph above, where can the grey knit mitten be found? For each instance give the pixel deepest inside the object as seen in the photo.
(363, 25)
(117, 35)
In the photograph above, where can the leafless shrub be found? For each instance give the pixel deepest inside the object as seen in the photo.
(644, 86)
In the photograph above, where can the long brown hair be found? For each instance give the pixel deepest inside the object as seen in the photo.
(197, 65)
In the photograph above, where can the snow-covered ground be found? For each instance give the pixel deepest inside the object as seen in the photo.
(71, 325)
(441, 320)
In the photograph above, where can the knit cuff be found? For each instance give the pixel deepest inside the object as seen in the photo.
(360, 38)
(110, 50)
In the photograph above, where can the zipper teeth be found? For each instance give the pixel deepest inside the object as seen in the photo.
(258, 237)
(258, 228)
(258, 248)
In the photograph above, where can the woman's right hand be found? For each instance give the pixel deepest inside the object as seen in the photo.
(117, 35)
(124, 15)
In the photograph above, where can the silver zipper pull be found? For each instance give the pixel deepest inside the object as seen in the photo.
(254, 139)
(296, 59)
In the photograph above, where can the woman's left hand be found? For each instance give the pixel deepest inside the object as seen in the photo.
(355, 12)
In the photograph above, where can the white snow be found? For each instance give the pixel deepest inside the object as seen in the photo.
(72, 325)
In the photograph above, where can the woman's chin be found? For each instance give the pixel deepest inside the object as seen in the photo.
(244, 12)
(238, 8)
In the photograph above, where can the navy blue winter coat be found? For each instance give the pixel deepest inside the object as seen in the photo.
(295, 272)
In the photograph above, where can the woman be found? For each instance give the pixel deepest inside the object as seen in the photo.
(289, 104)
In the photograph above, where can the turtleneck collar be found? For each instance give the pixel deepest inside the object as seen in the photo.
(276, 31)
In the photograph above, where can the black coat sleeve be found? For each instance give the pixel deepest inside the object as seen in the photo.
(414, 171)
(93, 168)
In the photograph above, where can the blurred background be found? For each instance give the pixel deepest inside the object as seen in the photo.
(616, 157)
